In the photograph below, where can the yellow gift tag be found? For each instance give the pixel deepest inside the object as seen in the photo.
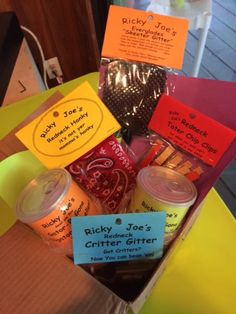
(69, 129)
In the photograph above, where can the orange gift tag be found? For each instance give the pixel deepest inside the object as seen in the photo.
(69, 129)
(145, 37)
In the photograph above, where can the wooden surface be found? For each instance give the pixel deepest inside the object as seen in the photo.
(65, 30)
(219, 58)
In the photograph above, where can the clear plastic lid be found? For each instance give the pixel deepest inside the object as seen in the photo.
(167, 186)
(42, 195)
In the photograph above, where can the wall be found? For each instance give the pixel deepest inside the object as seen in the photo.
(65, 28)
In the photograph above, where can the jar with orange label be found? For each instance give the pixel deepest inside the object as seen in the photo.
(47, 204)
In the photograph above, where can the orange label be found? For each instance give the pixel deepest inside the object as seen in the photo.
(69, 129)
(55, 228)
(191, 130)
(144, 36)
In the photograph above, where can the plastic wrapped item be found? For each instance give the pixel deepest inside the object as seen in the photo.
(131, 91)
(47, 204)
(137, 55)
(108, 173)
(163, 153)
(162, 189)
(137, 148)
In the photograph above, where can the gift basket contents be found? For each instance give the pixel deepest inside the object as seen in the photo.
(131, 91)
(126, 164)
(164, 153)
(136, 59)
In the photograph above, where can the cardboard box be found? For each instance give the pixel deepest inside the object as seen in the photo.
(36, 279)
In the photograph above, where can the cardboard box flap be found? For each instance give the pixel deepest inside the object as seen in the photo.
(35, 279)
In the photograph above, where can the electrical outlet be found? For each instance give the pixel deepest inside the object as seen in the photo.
(53, 68)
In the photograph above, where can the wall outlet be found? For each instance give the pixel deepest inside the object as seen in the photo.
(53, 68)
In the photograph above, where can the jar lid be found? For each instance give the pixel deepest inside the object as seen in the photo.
(42, 195)
(167, 186)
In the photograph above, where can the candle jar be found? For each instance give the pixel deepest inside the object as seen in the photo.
(163, 189)
(47, 204)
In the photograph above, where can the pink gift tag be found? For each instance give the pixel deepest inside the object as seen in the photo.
(106, 172)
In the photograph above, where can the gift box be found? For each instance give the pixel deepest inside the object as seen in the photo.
(36, 279)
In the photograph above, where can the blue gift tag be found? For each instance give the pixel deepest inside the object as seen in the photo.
(115, 238)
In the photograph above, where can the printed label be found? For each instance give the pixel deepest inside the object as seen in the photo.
(69, 129)
(114, 238)
(191, 130)
(143, 36)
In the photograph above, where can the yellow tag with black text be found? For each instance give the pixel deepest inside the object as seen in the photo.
(69, 129)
